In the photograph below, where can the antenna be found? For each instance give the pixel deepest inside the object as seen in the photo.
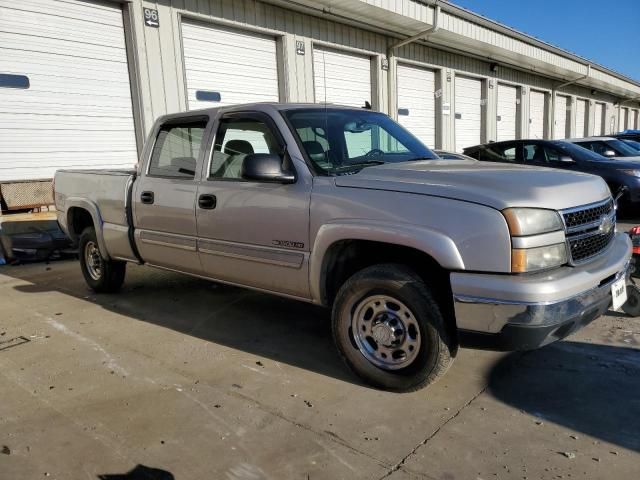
(326, 113)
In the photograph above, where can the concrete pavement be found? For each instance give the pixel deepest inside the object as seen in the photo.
(178, 378)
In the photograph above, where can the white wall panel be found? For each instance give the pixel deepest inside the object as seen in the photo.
(77, 111)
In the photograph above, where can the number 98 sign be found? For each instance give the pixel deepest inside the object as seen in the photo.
(151, 18)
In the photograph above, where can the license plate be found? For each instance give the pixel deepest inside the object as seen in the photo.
(619, 293)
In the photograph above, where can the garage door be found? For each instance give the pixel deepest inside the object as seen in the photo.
(581, 118)
(417, 102)
(634, 123)
(225, 66)
(598, 126)
(561, 117)
(468, 112)
(507, 112)
(624, 119)
(64, 92)
(536, 114)
(340, 77)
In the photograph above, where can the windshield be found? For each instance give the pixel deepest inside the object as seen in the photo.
(340, 141)
(578, 152)
(621, 148)
(633, 144)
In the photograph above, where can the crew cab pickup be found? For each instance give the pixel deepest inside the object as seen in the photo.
(344, 208)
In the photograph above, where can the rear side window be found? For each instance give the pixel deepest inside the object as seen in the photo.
(176, 151)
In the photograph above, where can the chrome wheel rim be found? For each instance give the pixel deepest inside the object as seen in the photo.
(93, 260)
(386, 332)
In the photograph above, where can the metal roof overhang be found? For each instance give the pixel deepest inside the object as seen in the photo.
(400, 25)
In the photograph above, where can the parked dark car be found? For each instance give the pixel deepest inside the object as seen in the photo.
(608, 147)
(629, 135)
(566, 156)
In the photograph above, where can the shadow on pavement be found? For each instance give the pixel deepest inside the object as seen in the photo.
(283, 330)
(141, 472)
(593, 389)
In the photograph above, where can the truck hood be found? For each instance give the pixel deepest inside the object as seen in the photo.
(495, 185)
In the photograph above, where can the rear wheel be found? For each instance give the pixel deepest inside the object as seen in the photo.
(389, 329)
(103, 276)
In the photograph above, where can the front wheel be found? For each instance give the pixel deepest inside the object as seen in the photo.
(103, 276)
(389, 329)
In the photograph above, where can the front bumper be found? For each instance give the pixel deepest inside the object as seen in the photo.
(509, 312)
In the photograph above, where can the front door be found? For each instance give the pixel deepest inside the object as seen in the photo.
(165, 195)
(249, 232)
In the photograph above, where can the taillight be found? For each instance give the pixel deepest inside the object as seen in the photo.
(634, 233)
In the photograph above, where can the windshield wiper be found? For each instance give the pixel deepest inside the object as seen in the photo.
(359, 165)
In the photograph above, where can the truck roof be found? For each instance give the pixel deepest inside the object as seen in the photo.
(261, 107)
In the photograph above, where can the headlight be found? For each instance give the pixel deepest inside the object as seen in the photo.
(532, 259)
(634, 173)
(531, 221)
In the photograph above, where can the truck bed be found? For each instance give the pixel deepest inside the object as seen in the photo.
(106, 195)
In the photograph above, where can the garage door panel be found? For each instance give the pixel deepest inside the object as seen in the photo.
(74, 9)
(507, 112)
(73, 30)
(536, 114)
(468, 106)
(598, 127)
(341, 77)
(581, 120)
(43, 45)
(77, 110)
(240, 65)
(416, 97)
(561, 117)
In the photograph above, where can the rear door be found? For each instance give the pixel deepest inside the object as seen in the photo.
(165, 195)
(249, 232)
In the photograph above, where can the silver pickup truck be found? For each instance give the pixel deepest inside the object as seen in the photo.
(344, 208)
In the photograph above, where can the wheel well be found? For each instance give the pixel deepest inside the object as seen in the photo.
(343, 259)
(77, 220)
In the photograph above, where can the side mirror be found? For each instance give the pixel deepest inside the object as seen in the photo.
(567, 159)
(609, 153)
(265, 167)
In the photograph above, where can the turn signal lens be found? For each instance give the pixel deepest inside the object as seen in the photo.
(540, 258)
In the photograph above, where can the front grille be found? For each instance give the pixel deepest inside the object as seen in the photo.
(577, 218)
(590, 246)
(585, 236)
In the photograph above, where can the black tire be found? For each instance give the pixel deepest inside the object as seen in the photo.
(109, 276)
(405, 286)
(632, 306)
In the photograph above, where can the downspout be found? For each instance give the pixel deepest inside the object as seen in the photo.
(554, 90)
(391, 57)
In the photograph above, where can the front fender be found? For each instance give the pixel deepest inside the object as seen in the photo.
(436, 244)
(94, 211)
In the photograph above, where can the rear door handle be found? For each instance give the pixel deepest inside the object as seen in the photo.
(147, 197)
(207, 202)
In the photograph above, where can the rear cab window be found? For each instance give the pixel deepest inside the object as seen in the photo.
(177, 148)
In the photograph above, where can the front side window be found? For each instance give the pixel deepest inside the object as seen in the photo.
(176, 150)
(341, 141)
(498, 153)
(236, 138)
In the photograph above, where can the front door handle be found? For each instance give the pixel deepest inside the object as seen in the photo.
(147, 197)
(207, 202)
